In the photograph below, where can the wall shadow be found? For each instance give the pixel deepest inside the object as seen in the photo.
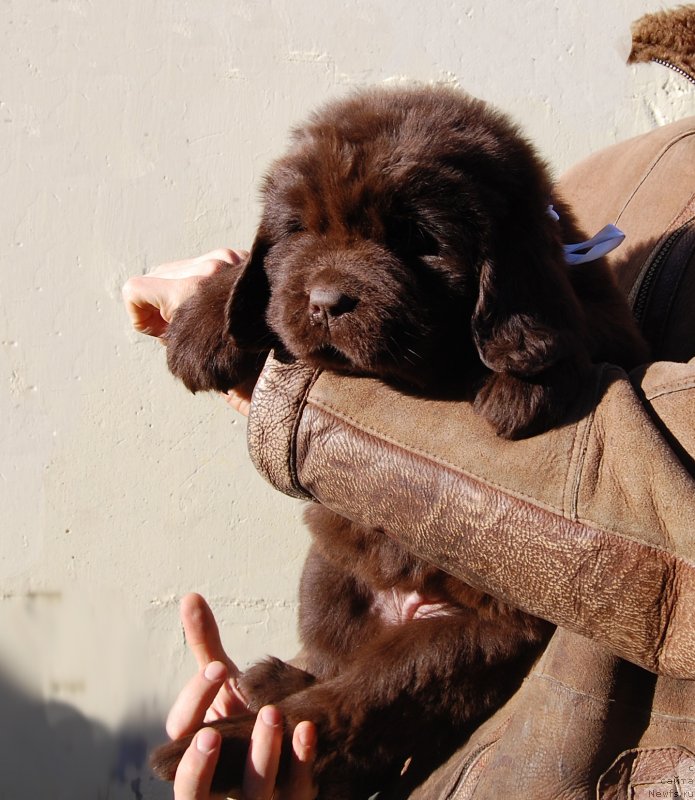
(50, 749)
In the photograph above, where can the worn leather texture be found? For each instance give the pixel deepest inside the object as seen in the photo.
(590, 525)
(278, 401)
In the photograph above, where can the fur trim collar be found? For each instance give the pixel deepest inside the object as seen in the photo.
(668, 38)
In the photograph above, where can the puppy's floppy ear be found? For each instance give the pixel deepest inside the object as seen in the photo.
(526, 317)
(248, 300)
(527, 328)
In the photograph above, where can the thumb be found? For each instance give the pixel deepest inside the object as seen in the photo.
(197, 767)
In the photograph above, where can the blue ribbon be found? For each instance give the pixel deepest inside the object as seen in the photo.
(607, 239)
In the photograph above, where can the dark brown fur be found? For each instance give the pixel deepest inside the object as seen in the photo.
(404, 235)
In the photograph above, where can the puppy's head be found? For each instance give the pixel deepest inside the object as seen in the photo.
(405, 235)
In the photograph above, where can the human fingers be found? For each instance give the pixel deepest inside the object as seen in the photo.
(203, 638)
(189, 708)
(152, 301)
(200, 265)
(194, 773)
(263, 756)
(239, 398)
(300, 783)
(202, 633)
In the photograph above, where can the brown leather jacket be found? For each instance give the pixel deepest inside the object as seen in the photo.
(591, 525)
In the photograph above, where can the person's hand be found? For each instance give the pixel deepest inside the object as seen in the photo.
(213, 693)
(152, 299)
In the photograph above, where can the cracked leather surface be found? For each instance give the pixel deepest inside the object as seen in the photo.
(589, 525)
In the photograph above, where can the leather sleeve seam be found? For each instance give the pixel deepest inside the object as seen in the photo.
(599, 701)
(594, 699)
(327, 408)
(292, 455)
(670, 388)
(408, 448)
(573, 690)
(652, 166)
(583, 448)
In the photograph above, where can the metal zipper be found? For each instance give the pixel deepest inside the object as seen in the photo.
(653, 270)
(680, 71)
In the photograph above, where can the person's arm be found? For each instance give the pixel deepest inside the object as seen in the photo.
(589, 525)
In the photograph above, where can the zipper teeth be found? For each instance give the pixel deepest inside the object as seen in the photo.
(652, 271)
(680, 71)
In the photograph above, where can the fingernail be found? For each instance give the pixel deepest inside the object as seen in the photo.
(307, 736)
(215, 671)
(271, 716)
(206, 740)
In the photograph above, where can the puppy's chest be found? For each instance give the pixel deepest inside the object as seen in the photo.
(401, 586)
(369, 555)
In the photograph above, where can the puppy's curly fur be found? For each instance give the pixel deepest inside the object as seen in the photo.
(405, 234)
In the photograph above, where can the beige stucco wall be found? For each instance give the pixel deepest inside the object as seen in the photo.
(136, 132)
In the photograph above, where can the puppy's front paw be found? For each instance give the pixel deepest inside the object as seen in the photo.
(270, 681)
(520, 407)
(199, 349)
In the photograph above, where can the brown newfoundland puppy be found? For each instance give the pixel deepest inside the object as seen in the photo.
(405, 234)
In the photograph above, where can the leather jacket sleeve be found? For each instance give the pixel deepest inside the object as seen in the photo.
(591, 525)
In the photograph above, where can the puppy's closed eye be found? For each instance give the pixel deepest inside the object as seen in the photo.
(293, 226)
(412, 238)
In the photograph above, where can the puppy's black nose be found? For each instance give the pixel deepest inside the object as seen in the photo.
(329, 303)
